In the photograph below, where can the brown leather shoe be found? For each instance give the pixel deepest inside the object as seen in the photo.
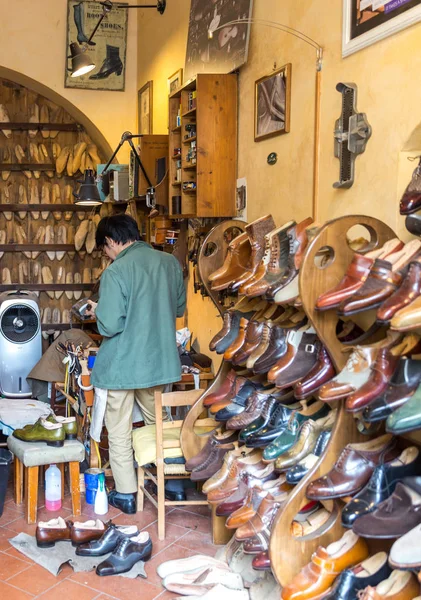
(247, 481)
(220, 476)
(304, 360)
(256, 232)
(353, 468)
(82, 533)
(326, 564)
(411, 199)
(277, 263)
(239, 341)
(223, 391)
(275, 350)
(50, 532)
(298, 343)
(255, 406)
(236, 262)
(407, 292)
(214, 442)
(259, 522)
(258, 470)
(408, 318)
(321, 373)
(298, 241)
(230, 316)
(261, 562)
(263, 345)
(400, 585)
(239, 383)
(251, 341)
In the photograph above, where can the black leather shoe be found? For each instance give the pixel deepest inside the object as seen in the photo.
(402, 385)
(296, 473)
(175, 496)
(128, 552)
(108, 542)
(226, 341)
(371, 571)
(278, 422)
(127, 506)
(112, 64)
(382, 485)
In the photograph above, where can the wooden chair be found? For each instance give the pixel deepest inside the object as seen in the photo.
(164, 471)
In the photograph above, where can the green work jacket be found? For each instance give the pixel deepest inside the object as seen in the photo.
(141, 294)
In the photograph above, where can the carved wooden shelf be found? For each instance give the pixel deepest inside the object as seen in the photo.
(46, 287)
(37, 247)
(27, 167)
(44, 208)
(42, 126)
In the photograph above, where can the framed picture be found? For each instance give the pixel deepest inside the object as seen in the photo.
(145, 103)
(227, 49)
(366, 22)
(272, 105)
(109, 52)
(175, 81)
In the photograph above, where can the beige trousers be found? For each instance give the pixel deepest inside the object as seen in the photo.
(118, 420)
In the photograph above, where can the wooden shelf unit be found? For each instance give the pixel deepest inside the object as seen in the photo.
(215, 142)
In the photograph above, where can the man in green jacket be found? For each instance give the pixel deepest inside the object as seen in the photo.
(141, 294)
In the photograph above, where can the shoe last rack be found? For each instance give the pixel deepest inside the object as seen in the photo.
(20, 255)
(326, 260)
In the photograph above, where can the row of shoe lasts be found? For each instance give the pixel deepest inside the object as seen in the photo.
(344, 570)
(85, 234)
(387, 279)
(94, 538)
(50, 194)
(36, 115)
(265, 260)
(53, 430)
(54, 317)
(202, 576)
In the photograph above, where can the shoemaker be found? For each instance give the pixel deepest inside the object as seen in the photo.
(141, 294)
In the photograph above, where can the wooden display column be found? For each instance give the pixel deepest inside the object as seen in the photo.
(287, 553)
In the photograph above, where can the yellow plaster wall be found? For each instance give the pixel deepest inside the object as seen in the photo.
(33, 42)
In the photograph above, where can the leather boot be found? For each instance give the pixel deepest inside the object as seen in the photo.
(256, 232)
(236, 262)
(78, 19)
(112, 64)
(230, 325)
(277, 263)
(252, 340)
(298, 240)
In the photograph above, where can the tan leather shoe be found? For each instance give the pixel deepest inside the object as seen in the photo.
(259, 523)
(239, 340)
(401, 585)
(238, 254)
(310, 524)
(220, 476)
(326, 564)
(408, 318)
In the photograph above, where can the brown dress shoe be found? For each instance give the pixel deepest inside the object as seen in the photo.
(235, 264)
(411, 199)
(251, 341)
(259, 522)
(213, 443)
(256, 232)
(353, 469)
(407, 292)
(263, 345)
(220, 476)
(90, 531)
(297, 342)
(304, 360)
(255, 405)
(275, 350)
(261, 269)
(352, 281)
(232, 482)
(239, 341)
(261, 562)
(401, 585)
(50, 532)
(321, 373)
(223, 391)
(326, 564)
(212, 464)
(239, 383)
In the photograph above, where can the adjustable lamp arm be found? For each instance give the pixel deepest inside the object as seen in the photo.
(128, 137)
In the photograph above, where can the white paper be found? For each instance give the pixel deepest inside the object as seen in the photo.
(378, 4)
(365, 4)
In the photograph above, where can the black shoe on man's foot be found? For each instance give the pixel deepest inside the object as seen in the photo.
(126, 504)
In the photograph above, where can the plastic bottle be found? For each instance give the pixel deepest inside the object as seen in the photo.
(53, 488)
(101, 498)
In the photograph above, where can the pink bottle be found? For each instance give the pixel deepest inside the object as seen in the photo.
(53, 488)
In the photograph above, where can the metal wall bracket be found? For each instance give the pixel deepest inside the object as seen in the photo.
(352, 132)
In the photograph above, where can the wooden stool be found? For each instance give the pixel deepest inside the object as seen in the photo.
(30, 456)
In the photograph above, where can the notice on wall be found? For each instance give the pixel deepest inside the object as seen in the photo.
(107, 49)
(368, 15)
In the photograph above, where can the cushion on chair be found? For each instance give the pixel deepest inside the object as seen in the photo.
(35, 454)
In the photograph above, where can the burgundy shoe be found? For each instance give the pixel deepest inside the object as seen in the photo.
(322, 372)
(261, 562)
(223, 391)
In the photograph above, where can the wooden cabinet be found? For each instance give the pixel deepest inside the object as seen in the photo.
(203, 146)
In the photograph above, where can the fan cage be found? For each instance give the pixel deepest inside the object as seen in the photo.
(19, 323)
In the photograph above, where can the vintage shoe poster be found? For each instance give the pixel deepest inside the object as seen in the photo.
(106, 50)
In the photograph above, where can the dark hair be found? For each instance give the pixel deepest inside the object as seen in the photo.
(119, 228)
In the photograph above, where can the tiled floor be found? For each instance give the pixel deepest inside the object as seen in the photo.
(187, 533)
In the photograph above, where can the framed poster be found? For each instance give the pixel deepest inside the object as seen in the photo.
(366, 22)
(109, 52)
(272, 105)
(144, 107)
(175, 81)
(227, 49)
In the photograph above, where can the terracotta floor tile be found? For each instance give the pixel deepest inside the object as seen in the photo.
(9, 592)
(189, 520)
(9, 514)
(166, 596)
(119, 587)
(37, 580)
(5, 535)
(205, 511)
(13, 552)
(45, 515)
(170, 553)
(9, 566)
(12, 504)
(200, 542)
(88, 510)
(20, 526)
(173, 533)
(69, 590)
(141, 519)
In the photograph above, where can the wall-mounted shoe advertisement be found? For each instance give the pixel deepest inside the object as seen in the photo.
(106, 50)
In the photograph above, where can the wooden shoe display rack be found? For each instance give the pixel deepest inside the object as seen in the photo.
(326, 259)
(43, 152)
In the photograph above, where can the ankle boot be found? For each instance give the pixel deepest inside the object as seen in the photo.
(78, 19)
(235, 264)
(112, 64)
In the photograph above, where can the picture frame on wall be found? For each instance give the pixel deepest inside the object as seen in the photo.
(175, 81)
(108, 52)
(272, 107)
(366, 22)
(145, 106)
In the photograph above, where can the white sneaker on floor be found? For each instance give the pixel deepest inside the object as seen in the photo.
(189, 564)
(199, 581)
(219, 592)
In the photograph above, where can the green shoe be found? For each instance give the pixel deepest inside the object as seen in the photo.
(43, 431)
(69, 424)
(407, 417)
